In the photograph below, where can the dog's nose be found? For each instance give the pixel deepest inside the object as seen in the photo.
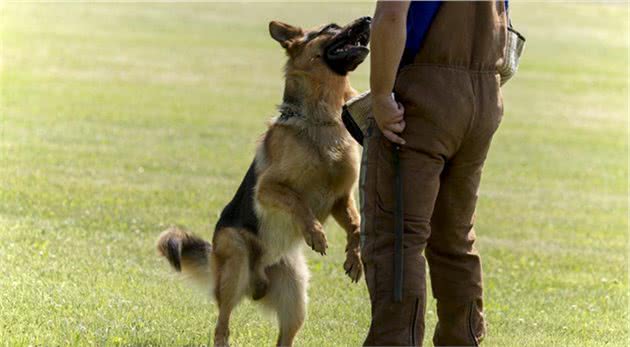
(366, 19)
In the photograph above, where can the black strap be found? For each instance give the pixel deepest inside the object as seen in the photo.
(353, 128)
(398, 228)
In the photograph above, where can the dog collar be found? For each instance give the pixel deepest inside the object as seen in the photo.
(287, 112)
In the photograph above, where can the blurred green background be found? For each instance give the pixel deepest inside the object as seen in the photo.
(117, 120)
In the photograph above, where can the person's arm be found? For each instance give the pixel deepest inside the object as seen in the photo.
(388, 36)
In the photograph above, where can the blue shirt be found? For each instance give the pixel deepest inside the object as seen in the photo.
(419, 18)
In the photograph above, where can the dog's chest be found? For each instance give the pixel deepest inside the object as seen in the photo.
(322, 182)
(331, 155)
(338, 167)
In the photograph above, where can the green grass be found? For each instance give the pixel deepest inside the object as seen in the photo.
(117, 120)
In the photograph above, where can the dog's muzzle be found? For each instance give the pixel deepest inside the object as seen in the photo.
(348, 48)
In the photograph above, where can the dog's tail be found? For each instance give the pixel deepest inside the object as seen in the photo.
(188, 254)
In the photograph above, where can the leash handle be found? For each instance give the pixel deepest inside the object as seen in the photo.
(398, 228)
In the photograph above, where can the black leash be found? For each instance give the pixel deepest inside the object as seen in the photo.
(398, 228)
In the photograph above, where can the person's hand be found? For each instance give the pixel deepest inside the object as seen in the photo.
(389, 116)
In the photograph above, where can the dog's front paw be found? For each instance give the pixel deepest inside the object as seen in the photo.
(316, 238)
(353, 265)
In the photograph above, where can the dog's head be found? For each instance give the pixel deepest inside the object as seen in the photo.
(330, 48)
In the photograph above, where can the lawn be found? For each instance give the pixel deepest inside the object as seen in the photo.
(117, 120)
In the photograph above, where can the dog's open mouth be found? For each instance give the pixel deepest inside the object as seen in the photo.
(358, 42)
(348, 48)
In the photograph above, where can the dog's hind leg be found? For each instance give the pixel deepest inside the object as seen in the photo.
(233, 279)
(259, 281)
(288, 281)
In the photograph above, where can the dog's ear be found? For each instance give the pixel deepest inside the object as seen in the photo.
(284, 33)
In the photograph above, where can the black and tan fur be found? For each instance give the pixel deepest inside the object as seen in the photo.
(304, 171)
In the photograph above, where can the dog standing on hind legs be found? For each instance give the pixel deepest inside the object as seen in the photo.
(304, 170)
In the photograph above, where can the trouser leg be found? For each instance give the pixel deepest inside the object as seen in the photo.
(395, 323)
(455, 266)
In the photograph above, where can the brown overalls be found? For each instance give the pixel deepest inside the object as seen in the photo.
(453, 106)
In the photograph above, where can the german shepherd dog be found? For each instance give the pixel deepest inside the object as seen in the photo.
(304, 170)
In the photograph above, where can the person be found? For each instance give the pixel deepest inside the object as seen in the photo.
(440, 61)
